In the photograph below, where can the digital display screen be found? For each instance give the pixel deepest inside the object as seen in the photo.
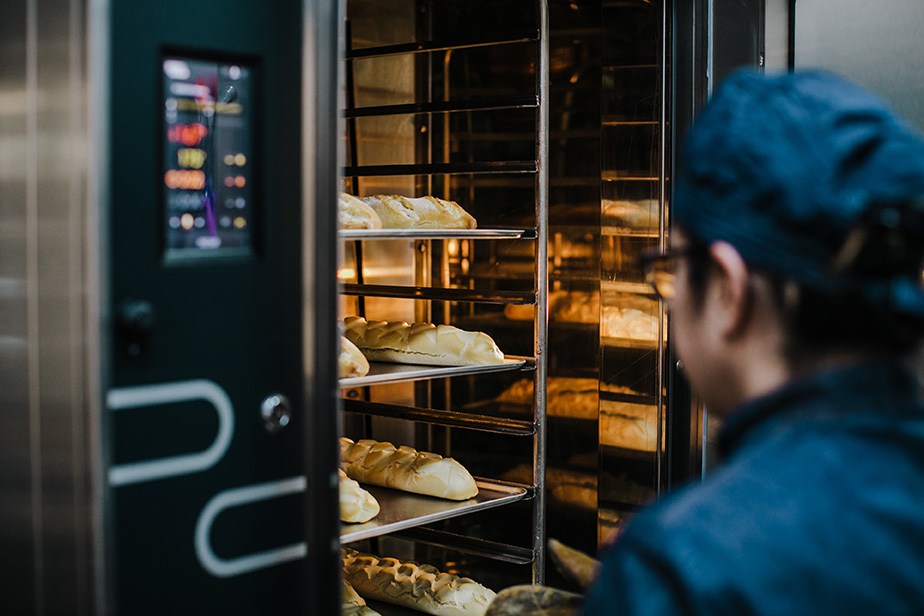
(208, 149)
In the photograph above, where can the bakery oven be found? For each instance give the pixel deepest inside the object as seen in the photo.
(551, 125)
(183, 388)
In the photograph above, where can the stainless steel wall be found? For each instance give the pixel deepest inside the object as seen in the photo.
(46, 549)
(877, 44)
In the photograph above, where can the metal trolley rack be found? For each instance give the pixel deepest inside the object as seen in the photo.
(404, 515)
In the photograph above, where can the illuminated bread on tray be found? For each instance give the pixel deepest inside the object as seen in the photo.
(421, 343)
(405, 468)
(351, 360)
(419, 587)
(399, 212)
(356, 504)
(354, 214)
(353, 604)
(565, 396)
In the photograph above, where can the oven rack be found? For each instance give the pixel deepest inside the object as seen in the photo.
(452, 419)
(440, 294)
(402, 510)
(438, 234)
(510, 171)
(458, 168)
(493, 104)
(382, 372)
(526, 36)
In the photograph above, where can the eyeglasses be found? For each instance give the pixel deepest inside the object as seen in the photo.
(661, 268)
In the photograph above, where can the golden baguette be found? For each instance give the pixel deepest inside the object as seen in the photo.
(421, 343)
(405, 468)
(419, 587)
(397, 212)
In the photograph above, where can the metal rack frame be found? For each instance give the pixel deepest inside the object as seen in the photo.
(539, 297)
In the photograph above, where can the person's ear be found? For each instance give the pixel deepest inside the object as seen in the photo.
(731, 288)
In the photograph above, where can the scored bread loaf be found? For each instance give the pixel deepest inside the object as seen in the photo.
(419, 587)
(351, 360)
(397, 212)
(354, 214)
(421, 343)
(356, 504)
(353, 604)
(405, 468)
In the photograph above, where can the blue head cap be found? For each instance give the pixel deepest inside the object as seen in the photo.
(786, 167)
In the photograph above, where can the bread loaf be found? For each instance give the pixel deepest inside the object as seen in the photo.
(565, 396)
(419, 587)
(397, 212)
(353, 604)
(405, 468)
(351, 360)
(354, 214)
(421, 343)
(634, 214)
(356, 504)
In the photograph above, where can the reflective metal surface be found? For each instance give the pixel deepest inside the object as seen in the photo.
(46, 548)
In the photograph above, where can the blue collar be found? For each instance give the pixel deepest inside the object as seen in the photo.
(887, 385)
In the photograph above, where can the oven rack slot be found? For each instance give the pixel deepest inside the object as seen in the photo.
(453, 419)
(433, 293)
(518, 102)
(501, 166)
(527, 36)
(470, 545)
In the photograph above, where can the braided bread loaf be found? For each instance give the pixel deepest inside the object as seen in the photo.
(420, 587)
(356, 504)
(421, 343)
(353, 604)
(405, 468)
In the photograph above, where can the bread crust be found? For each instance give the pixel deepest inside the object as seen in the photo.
(356, 505)
(354, 214)
(420, 587)
(405, 468)
(397, 212)
(421, 343)
(351, 362)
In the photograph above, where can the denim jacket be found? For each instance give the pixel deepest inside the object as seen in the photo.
(817, 508)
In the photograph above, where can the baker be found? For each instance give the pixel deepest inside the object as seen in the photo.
(794, 284)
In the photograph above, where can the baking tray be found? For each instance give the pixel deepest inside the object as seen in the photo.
(381, 372)
(403, 510)
(435, 234)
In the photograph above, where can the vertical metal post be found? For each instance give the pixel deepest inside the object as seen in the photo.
(662, 237)
(540, 333)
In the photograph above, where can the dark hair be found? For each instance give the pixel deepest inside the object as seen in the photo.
(818, 322)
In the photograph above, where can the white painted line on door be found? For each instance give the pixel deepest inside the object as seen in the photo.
(126, 398)
(235, 497)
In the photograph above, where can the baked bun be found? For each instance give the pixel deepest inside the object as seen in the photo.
(421, 343)
(356, 504)
(351, 360)
(405, 468)
(354, 214)
(399, 212)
